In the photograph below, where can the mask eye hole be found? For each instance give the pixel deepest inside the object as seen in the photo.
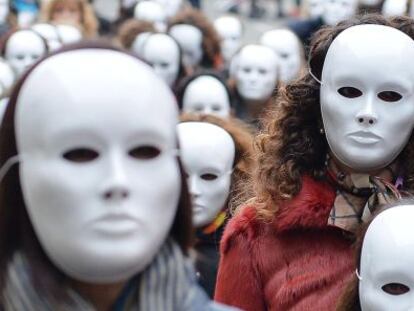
(395, 289)
(80, 155)
(389, 96)
(216, 108)
(349, 92)
(209, 176)
(144, 152)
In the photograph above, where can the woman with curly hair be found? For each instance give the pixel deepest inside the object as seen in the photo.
(214, 180)
(198, 39)
(74, 12)
(335, 147)
(129, 32)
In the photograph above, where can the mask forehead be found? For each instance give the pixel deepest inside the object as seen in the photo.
(281, 40)
(25, 41)
(161, 47)
(257, 56)
(228, 26)
(388, 237)
(188, 36)
(216, 145)
(150, 11)
(70, 103)
(205, 89)
(394, 7)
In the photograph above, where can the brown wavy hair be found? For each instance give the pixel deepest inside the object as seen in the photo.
(130, 29)
(243, 161)
(89, 22)
(211, 40)
(291, 144)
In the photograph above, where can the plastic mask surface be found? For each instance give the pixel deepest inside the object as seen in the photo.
(4, 11)
(23, 49)
(206, 95)
(151, 12)
(6, 75)
(336, 11)
(109, 224)
(230, 30)
(171, 6)
(387, 259)
(163, 54)
(190, 38)
(315, 8)
(288, 50)
(367, 96)
(50, 34)
(256, 72)
(394, 7)
(209, 176)
(69, 34)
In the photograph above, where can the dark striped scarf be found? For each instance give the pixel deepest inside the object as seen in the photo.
(168, 284)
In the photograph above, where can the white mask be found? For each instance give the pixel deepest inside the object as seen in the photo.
(69, 34)
(369, 2)
(339, 10)
(163, 54)
(255, 72)
(26, 18)
(4, 11)
(108, 10)
(151, 12)
(288, 50)
(139, 42)
(23, 49)
(206, 95)
(101, 184)
(366, 96)
(50, 34)
(230, 30)
(190, 38)
(171, 6)
(387, 259)
(394, 7)
(315, 8)
(209, 176)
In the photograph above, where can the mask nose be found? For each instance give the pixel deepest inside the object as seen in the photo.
(367, 115)
(116, 187)
(194, 187)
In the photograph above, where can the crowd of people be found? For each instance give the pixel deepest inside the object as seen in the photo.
(153, 158)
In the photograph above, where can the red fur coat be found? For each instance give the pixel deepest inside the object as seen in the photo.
(296, 262)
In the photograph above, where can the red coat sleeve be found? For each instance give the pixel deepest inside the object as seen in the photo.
(238, 282)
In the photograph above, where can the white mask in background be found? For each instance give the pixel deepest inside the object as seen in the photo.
(171, 6)
(369, 2)
(69, 34)
(230, 30)
(7, 76)
(26, 18)
(392, 8)
(367, 96)
(190, 39)
(256, 72)
(139, 42)
(288, 50)
(206, 95)
(4, 11)
(108, 10)
(163, 54)
(209, 175)
(152, 12)
(387, 260)
(50, 34)
(23, 49)
(339, 10)
(315, 8)
(99, 228)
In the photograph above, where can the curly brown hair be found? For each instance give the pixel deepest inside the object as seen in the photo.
(291, 144)
(130, 29)
(89, 22)
(211, 40)
(243, 161)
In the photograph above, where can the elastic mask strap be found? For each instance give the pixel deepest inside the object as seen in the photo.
(311, 73)
(358, 275)
(8, 165)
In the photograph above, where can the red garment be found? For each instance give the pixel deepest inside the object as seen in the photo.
(296, 262)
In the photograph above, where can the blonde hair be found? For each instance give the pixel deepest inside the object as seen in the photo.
(89, 22)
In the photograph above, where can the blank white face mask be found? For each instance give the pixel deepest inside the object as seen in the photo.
(171, 6)
(151, 12)
(163, 54)
(50, 33)
(336, 11)
(23, 49)
(4, 11)
(190, 38)
(230, 31)
(288, 50)
(209, 175)
(367, 96)
(256, 72)
(315, 8)
(394, 8)
(69, 34)
(387, 259)
(99, 172)
(206, 95)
